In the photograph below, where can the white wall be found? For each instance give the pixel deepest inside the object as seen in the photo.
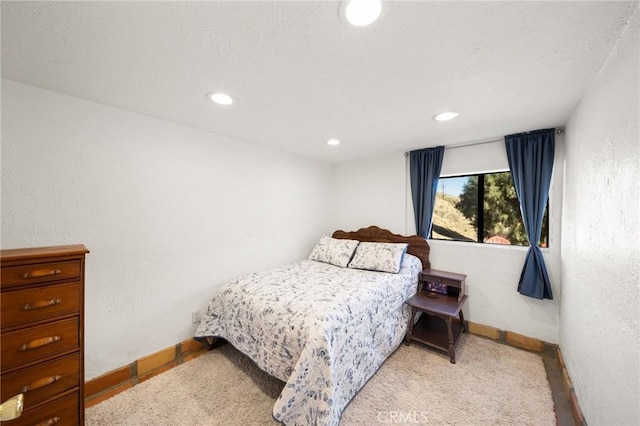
(168, 212)
(376, 192)
(600, 338)
(370, 192)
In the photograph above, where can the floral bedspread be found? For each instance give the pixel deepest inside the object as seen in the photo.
(322, 329)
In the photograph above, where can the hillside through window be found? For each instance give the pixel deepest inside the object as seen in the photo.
(481, 208)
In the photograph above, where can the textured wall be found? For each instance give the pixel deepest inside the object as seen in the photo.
(600, 242)
(376, 192)
(168, 212)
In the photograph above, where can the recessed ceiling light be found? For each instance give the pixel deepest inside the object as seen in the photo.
(220, 98)
(444, 116)
(333, 142)
(361, 13)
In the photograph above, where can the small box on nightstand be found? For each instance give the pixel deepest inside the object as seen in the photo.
(449, 283)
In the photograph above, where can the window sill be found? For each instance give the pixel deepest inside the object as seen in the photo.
(487, 245)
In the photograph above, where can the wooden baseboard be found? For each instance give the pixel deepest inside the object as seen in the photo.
(568, 388)
(112, 383)
(484, 330)
(510, 338)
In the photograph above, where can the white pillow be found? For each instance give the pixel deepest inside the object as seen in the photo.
(335, 251)
(384, 257)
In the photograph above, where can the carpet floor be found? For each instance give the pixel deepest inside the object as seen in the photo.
(491, 384)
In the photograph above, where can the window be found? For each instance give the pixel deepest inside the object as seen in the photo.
(481, 208)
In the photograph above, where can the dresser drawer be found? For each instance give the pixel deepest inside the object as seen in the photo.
(62, 412)
(42, 272)
(23, 306)
(43, 381)
(33, 343)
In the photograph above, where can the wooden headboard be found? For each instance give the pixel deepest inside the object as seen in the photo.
(418, 246)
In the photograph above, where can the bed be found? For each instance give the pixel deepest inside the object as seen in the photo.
(322, 329)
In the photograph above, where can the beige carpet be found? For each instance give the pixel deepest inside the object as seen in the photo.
(490, 384)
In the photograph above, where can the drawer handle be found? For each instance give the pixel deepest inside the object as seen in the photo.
(40, 304)
(40, 383)
(51, 421)
(41, 273)
(38, 343)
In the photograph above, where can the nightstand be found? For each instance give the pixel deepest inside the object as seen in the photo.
(442, 322)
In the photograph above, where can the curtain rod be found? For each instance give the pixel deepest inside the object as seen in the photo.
(559, 131)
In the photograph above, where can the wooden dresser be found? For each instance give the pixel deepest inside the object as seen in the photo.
(42, 329)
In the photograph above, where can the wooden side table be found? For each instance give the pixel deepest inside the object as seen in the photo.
(442, 321)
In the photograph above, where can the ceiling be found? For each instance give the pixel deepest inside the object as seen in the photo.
(300, 75)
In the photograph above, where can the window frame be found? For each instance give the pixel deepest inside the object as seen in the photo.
(480, 213)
